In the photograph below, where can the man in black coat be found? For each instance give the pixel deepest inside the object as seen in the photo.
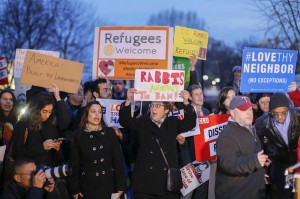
(27, 183)
(150, 174)
(281, 128)
(240, 159)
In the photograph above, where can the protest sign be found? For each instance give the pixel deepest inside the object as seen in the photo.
(111, 110)
(267, 70)
(158, 85)
(180, 115)
(210, 129)
(2, 63)
(20, 91)
(20, 58)
(189, 42)
(180, 63)
(3, 71)
(118, 51)
(193, 175)
(43, 70)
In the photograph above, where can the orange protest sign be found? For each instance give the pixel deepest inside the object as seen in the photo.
(118, 51)
(210, 129)
(43, 70)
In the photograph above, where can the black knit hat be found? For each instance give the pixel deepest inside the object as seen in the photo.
(279, 100)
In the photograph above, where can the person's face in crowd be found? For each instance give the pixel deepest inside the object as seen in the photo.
(21, 99)
(77, 98)
(158, 111)
(25, 174)
(95, 115)
(197, 97)
(118, 86)
(264, 104)
(104, 91)
(237, 74)
(6, 102)
(244, 118)
(46, 112)
(230, 95)
(280, 114)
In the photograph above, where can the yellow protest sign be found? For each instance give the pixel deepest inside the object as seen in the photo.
(43, 70)
(189, 42)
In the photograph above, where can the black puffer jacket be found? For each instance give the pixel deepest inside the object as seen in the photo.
(276, 148)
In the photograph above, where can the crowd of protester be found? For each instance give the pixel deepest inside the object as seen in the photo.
(68, 128)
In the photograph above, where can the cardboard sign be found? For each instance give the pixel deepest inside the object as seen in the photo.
(43, 70)
(20, 58)
(118, 51)
(193, 175)
(158, 85)
(189, 42)
(268, 70)
(210, 129)
(111, 110)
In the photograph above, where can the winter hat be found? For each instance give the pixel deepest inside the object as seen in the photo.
(279, 100)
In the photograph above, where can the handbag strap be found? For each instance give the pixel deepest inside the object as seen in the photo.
(162, 152)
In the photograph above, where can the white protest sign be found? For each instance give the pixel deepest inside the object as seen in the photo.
(20, 58)
(2, 152)
(193, 175)
(158, 85)
(111, 110)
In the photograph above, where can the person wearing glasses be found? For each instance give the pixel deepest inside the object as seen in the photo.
(96, 158)
(27, 182)
(152, 131)
(281, 128)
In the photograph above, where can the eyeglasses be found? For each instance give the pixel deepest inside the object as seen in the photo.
(155, 105)
(277, 114)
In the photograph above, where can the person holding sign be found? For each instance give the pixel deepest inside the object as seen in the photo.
(240, 159)
(154, 130)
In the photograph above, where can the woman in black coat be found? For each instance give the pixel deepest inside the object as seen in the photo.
(96, 158)
(35, 133)
(149, 178)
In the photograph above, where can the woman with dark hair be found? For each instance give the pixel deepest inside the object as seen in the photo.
(35, 133)
(262, 101)
(8, 116)
(96, 158)
(223, 101)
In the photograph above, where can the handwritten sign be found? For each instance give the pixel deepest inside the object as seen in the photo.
(268, 70)
(20, 58)
(210, 129)
(118, 51)
(111, 110)
(193, 175)
(189, 42)
(158, 85)
(43, 70)
(180, 63)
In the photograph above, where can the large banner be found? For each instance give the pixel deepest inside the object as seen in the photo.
(158, 85)
(20, 58)
(210, 129)
(118, 51)
(189, 42)
(111, 110)
(43, 70)
(194, 175)
(267, 70)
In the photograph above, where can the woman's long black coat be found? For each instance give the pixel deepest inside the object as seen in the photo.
(150, 173)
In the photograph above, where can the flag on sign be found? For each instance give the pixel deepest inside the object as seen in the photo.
(3, 71)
